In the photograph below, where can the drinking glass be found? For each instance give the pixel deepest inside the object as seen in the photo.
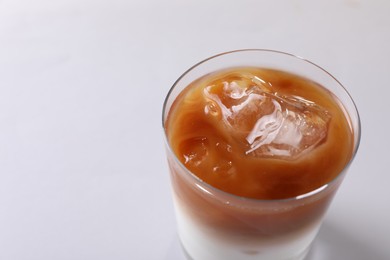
(213, 224)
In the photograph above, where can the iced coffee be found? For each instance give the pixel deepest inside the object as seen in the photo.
(257, 154)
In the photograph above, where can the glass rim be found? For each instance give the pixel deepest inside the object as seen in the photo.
(208, 188)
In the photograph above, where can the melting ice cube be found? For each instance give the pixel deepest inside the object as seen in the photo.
(270, 124)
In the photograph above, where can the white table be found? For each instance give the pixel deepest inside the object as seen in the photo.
(83, 173)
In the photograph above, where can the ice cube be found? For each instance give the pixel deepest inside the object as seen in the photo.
(268, 123)
(195, 151)
(224, 168)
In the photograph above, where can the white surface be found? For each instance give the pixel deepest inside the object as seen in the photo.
(82, 164)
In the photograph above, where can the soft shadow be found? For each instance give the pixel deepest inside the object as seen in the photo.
(175, 251)
(332, 243)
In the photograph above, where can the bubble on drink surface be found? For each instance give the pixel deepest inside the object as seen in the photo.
(211, 108)
(268, 123)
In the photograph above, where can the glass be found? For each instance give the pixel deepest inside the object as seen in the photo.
(213, 224)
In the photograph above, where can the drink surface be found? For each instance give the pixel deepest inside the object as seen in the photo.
(260, 133)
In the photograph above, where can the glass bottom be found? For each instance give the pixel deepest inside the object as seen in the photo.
(200, 244)
(301, 256)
